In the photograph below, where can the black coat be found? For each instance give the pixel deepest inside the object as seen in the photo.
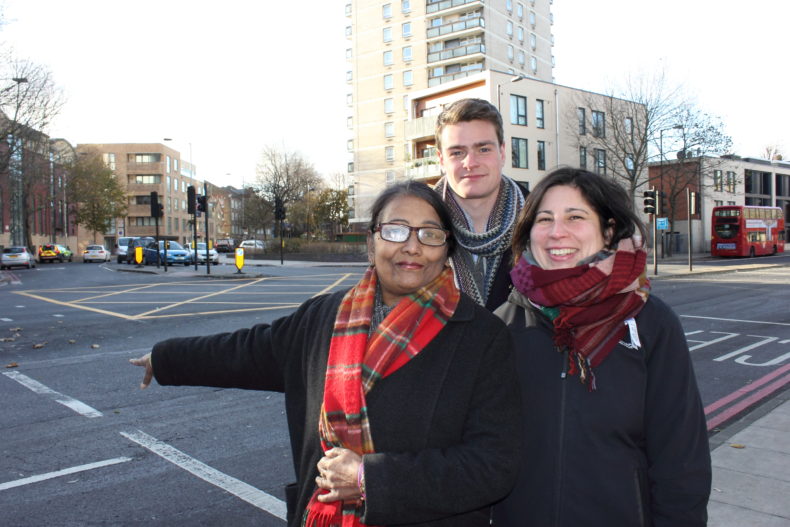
(445, 425)
(634, 452)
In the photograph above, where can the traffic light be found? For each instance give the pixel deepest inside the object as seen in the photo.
(279, 209)
(661, 205)
(155, 205)
(201, 204)
(650, 201)
(191, 199)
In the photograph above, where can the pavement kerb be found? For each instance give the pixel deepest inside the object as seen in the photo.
(703, 270)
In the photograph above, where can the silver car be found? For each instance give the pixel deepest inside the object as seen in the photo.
(200, 254)
(17, 257)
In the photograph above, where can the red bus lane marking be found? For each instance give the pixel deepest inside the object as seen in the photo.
(783, 375)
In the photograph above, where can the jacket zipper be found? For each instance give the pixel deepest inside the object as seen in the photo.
(561, 442)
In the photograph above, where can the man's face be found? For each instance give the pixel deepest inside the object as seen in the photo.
(472, 159)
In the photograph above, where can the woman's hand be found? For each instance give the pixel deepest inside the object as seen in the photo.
(338, 474)
(145, 362)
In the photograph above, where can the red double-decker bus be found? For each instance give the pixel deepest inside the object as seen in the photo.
(747, 231)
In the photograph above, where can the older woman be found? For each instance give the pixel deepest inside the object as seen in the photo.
(614, 431)
(401, 397)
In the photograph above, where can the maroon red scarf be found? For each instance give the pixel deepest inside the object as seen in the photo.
(590, 302)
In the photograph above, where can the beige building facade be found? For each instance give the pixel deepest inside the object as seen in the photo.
(398, 48)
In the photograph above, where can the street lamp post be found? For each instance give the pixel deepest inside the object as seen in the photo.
(15, 169)
(517, 78)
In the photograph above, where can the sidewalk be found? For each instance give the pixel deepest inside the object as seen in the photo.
(751, 457)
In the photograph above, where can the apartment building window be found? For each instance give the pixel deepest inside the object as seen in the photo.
(175, 203)
(532, 18)
(408, 80)
(147, 179)
(629, 163)
(389, 176)
(539, 114)
(349, 53)
(406, 103)
(388, 81)
(520, 33)
(598, 124)
(407, 55)
(386, 10)
(387, 32)
(405, 6)
(731, 182)
(583, 157)
(169, 225)
(600, 161)
(350, 145)
(348, 9)
(388, 57)
(348, 31)
(718, 203)
(510, 52)
(144, 158)
(519, 147)
(389, 105)
(350, 166)
(167, 184)
(183, 186)
(389, 129)
(509, 5)
(109, 160)
(509, 29)
(168, 163)
(520, 10)
(518, 110)
(349, 76)
(718, 181)
(533, 41)
(349, 99)
(521, 57)
(533, 64)
(541, 155)
(389, 153)
(349, 122)
(629, 127)
(175, 165)
(581, 113)
(406, 29)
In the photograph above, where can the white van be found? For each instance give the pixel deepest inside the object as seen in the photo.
(120, 247)
(253, 245)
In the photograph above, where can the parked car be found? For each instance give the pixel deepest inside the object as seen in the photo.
(121, 247)
(50, 252)
(134, 242)
(252, 245)
(175, 253)
(200, 255)
(15, 256)
(225, 245)
(95, 253)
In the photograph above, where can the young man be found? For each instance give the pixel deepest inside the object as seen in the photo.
(484, 203)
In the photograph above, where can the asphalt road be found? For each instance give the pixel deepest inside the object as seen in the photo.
(82, 445)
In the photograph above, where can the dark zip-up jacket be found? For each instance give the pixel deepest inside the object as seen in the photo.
(445, 425)
(634, 452)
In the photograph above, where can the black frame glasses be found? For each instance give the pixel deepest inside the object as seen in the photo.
(400, 233)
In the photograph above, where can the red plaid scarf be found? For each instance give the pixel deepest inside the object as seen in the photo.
(591, 302)
(356, 362)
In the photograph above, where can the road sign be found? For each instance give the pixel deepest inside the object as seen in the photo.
(662, 224)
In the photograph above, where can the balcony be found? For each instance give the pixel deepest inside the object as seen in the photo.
(424, 168)
(454, 53)
(147, 168)
(442, 5)
(455, 27)
(420, 128)
(470, 69)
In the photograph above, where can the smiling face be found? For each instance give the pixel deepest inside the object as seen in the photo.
(566, 229)
(405, 267)
(472, 159)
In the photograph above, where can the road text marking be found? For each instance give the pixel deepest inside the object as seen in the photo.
(738, 320)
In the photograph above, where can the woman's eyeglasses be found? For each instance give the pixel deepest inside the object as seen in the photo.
(396, 232)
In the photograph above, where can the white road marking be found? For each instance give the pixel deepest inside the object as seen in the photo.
(238, 488)
(744, 349)
(58, 315)
(738, 320)
(66, 471)
(35, 386)
(7, 319)
(726, 336)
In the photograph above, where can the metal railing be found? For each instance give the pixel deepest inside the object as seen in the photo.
(441, 5)
(453, 53)
(455, 27)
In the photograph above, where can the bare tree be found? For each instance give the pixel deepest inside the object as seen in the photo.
(258, 214)
(27, 108)
(773, 153)
(94, 193)
(284, 174)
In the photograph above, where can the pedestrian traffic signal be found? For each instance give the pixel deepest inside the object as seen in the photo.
(201, 204)
(191, 199)
(650, 201)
